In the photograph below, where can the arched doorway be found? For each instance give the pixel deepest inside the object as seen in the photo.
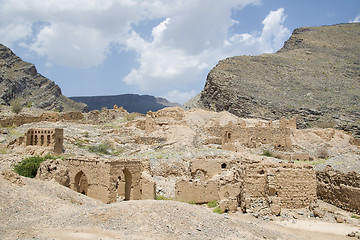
(128, 180)
(81, 183)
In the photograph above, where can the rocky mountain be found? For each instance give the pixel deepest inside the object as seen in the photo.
(20, 81)
(315, 77)
(131, 102)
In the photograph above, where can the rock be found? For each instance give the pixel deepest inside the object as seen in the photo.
(352, 234)
(318, 212)
(12, 177)
(292, 82)
(54, 169)
(339, 218)
(20, 81)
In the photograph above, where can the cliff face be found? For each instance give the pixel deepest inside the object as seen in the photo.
(20, 81)
(130, 102)
(315, 77)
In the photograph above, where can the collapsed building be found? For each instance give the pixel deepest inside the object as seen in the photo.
(49, 140)
(108, 180)
(234, 136)
(249, 185)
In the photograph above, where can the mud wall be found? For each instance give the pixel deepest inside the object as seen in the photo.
(339, 189)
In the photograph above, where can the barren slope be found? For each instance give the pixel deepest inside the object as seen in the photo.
(315, 77)
(20, 81)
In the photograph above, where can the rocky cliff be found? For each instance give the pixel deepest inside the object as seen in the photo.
(130, 102)
(20, 81)
(315, 77)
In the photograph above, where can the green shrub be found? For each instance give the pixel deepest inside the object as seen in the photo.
(16, 107)
(267, 153)
(103, 148)
(218, 210)
(212, 204)
(29, 166)
(354, 216)
(161, 197)
(29, 105)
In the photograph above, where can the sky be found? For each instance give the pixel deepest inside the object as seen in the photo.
(163, 48)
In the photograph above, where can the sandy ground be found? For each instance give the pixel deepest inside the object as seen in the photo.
(33, 209)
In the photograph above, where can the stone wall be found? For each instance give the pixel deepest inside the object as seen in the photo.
(252, 137)
(19, 120)
(339, 189)
(237, 183)
(46, 137)
(293, 184)
(111, 180)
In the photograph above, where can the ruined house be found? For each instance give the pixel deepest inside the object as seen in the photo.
(263, 133)
(248, 184)
(45, 139)
(111, 180)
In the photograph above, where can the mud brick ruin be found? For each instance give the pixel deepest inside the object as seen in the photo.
(111, 180)
(238, 183)
(46, 137)
(262, 133)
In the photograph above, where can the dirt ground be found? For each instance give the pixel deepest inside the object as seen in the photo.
(33, 209)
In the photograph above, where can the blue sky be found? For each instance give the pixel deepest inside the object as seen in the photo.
(160, 47)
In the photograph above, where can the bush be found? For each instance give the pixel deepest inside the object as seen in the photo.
(218, 210)
(29, 166)
(212, 204)
(103, 148)
(16, 107)
(267, 153)
(322, 152)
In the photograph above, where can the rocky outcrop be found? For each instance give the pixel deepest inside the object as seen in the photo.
(20, 81)
(339, 189)
(54, 169)
(314, 77)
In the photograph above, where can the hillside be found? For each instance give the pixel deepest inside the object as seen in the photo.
(20, 81)
(131, 102)
(315, 77)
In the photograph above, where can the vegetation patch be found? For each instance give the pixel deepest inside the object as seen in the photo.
(103, 148)
(161, 197)
(212, 204)
(29, 166)
(314, 163)
(218, 210)
(267, 153)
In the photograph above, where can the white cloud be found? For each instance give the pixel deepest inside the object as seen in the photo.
(180, 97)
(356, 19)
(192, 37)
(171, 60)
(269, 40)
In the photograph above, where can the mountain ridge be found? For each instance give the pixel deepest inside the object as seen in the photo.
(314, 77)
(20, 81)
(130, 102)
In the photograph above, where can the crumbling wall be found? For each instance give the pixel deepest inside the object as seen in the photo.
(19, 120)
(252, 137)
(111, 180)
(90, 177)
(339, 189)
(46, 137)
(237, 183)
(294, 185)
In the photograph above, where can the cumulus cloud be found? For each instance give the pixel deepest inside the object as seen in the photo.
(356, 19)
(180, 97)
(190, 37)
(170, 58)
(269, 40)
